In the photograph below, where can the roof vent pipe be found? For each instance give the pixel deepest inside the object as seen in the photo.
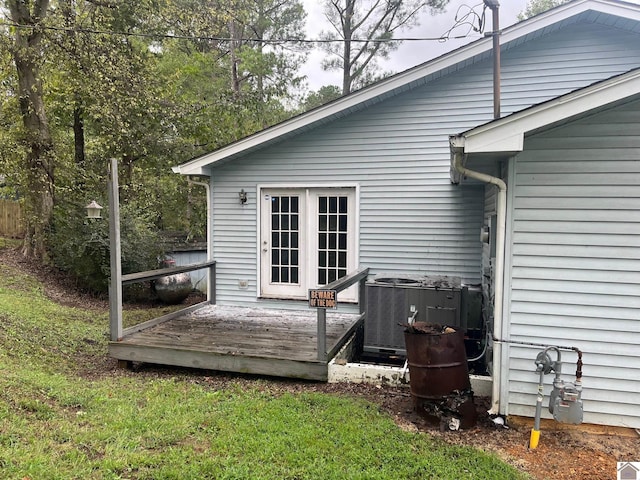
(495, 9)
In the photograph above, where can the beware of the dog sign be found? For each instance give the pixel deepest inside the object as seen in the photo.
(319, 298)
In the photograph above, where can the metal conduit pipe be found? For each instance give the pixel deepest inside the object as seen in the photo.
(458, 154)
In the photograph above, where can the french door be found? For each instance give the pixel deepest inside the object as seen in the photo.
(307, 239)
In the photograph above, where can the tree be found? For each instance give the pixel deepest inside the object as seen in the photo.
(39, 163)
(362, 32)
(146, 82)
(534, 7)
(323, 95)
(265, 58)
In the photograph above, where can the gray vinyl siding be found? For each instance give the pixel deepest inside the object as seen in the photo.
(411, 218)
(575, 277)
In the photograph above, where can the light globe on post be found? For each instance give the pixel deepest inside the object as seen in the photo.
(94, 210)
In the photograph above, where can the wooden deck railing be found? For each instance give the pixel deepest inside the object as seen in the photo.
(360, 277)
(116, 309)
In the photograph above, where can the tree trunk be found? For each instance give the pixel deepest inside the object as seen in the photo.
(347, 31)
(234, 45)
(78, 133)
(39, 165)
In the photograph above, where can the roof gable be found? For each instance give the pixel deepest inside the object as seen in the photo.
(506, 135)
(609, 12)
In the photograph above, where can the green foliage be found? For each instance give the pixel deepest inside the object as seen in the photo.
(151, 102)
(80, 246)
(324, 95)
(535, 7)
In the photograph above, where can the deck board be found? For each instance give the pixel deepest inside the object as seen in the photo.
(248, 340)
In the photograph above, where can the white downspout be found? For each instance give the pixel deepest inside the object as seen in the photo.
(207, 188)
(501, 220)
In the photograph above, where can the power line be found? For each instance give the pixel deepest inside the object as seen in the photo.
(228, 39)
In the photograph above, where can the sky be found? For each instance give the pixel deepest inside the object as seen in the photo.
(410, 53)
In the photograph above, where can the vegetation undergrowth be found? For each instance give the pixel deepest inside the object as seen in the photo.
(58, 422)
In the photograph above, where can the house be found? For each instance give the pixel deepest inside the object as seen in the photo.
(571, 172)
(366, 181)
(628, 471)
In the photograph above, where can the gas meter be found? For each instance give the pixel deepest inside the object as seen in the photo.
(565, 400)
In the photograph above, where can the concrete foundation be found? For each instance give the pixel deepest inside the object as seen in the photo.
(343, 369)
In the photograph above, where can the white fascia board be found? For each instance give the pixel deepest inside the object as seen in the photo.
(494, 142)
(509, 34)
(507, 134)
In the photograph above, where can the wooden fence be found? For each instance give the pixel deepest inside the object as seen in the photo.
(11, 225)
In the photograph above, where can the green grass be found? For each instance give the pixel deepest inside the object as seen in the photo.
(58, 423)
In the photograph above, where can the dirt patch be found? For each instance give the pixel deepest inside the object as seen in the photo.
(562, 454)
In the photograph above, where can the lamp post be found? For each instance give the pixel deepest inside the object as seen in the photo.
(94, 210)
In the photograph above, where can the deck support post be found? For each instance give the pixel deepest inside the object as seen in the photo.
(362, 298)
(211, 285)
(360, 277)
(322, 334)
(115, 284)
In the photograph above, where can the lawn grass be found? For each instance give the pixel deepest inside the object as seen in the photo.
(58, 423)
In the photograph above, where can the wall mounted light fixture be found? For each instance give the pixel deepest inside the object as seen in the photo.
(243, 196)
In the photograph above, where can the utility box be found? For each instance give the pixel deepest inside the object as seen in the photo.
(393, 298)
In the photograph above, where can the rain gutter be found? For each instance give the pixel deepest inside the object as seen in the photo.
(207, 187)
(458, 156)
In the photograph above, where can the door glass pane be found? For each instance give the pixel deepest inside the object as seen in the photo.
(322, 241)
(333, 204)
(343, 205)
(343, 223)
(322, 223)
(332, 246)
(322, 205)
(284, 236)
(342, 242)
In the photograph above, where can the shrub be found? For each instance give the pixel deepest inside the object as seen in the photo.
(80, 246)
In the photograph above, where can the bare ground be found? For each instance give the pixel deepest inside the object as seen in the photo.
(563, 454)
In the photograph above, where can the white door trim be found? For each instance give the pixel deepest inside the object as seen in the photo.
(309, 277)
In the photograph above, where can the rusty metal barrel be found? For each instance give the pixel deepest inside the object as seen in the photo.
(440, 384)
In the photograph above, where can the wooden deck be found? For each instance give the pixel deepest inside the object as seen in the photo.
(279, 343)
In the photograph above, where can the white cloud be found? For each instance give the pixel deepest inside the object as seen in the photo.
(410, 53)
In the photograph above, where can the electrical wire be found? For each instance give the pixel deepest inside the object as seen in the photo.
(469, 19)
(228, 39)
